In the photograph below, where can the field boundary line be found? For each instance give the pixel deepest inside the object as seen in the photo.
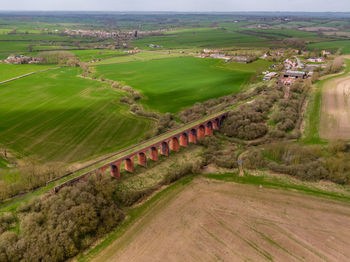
(28, 74)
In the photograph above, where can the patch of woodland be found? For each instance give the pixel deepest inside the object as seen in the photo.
(249, 122)
(29, 175)
(285, 118)
(64, 58)
(306, 162)
(295, 42)
(335, 66)
(59, 226)
(218, 153)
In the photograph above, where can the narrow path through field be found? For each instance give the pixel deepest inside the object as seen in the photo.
(31, 73)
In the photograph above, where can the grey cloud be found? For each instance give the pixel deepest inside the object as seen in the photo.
(178, 5)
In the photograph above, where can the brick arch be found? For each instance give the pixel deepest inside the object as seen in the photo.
(164, 148)
(209, 128)
(184, 140)
(193, 136)
(174, 144)
(129, 164)
(153, 153)
(200, 132)
(142, 159)
(115, 170)
(216, 124)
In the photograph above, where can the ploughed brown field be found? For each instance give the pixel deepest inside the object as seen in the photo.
(335, 116)
(209, 220)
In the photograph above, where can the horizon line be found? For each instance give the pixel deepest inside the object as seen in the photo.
(169, 11)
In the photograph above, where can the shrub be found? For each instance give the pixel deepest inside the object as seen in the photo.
(57, 227)
(165, 123)
(336, 146)
(187, 168)
(254, 159)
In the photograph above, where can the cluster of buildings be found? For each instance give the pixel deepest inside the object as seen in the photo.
(290, 76)
(91, 33)
(100, 34)
(295, 69)
(273, 54)
(21, 59)
(316, 60)
(214, 53)
(154, 46)
(133, 51)
(269, 75)
(290, 64)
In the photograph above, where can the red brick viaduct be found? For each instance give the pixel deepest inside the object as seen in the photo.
(164, 146)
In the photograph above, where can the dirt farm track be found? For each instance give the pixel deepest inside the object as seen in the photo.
(335, 115)
(210, 220)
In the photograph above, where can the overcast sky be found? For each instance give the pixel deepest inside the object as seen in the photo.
(178, 5)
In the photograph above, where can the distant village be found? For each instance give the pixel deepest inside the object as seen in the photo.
(113, 35)
(21, 59)
(293, 68)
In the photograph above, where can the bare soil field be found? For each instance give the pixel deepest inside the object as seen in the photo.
(335, 112)
(210, 220)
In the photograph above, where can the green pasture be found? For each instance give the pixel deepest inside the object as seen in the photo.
(139, 57)
(58, 116)
(250, 67)
(286, 33)
(13, 47)
(172, 84)
(343, 46)
(19, 43)
(3, 163)
(88, 55)
(8, 71)
(201, 37)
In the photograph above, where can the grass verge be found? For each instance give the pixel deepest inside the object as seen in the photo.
(313, 115)
(275, 182)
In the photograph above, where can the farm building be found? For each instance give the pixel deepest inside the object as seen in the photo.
(287, 81)
(219, 56)
(316, 60)
(269, 76)
(294, 74)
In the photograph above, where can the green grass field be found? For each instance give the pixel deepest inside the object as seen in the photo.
(143, 56)
(343, 46)
(58, 116)
(88, 55)
(201, 37)
(3, 163)
(175, 83)
(19, 43)
(8, 71)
